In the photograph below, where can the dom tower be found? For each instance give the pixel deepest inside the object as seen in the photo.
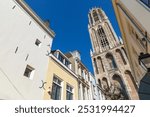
(110, 63)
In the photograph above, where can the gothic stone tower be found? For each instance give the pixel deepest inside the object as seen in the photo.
(110, 63)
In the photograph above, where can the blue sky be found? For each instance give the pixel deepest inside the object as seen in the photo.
(69, 20)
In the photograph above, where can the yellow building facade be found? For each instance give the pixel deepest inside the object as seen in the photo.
(134, 21)
(61, 82)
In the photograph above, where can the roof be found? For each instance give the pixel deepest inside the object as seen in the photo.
(35, 17)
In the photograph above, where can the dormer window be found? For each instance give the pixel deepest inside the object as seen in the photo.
(146, 2)
(60, 57)
(66, 63)
(63, 60)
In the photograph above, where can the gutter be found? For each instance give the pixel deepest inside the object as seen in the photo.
(35, 17)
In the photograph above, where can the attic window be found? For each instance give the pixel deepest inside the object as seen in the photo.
(38, 43)
(29, 72)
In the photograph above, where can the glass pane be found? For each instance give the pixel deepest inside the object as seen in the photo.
(59, 82)
(66, 63)
(69, 96)
(53, 90)
(27, 72)
(61, 58)
(146, 2)
(69, 88)
(58, 93)
(55, 79)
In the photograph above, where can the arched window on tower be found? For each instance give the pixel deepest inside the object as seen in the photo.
(90, 19)
(110, 31)
(131, 81)
(94, 39)
(101, 14)
(95, 15)
(111, 61)
(119, 88)
(124, 52)
(103, 38)
(121, 57)
(100, 64)
(105, 84)
(95, 65)
(99, 82)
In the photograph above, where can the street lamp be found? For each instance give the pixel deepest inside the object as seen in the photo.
(144, 61)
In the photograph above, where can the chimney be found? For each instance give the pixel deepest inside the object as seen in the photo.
(47, 23)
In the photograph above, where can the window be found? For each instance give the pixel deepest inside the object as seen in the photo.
(69, 93)
(38, 43)
(121, 57)
(95, 65)
(64, 61)
(60, 57)
(56, 89)
(146, 2)
(95, 15)
(67, 63)
(103, 38)
(84, 96)
(29, 72)
(111, 61)
(82, 73)
(101, 66)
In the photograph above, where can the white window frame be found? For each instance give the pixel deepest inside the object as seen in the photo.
(60, 85)
(67, 90)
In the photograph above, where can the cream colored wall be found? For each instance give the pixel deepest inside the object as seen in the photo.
(132, 45)
(55, 69)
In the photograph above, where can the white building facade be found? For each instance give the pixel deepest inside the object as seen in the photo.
(25, 45)
(94, 91)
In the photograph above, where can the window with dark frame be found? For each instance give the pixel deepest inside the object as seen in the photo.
(69, 93)
(38, 43)
(63, 60)
(29, 72)
(60, 57)
(56, 89)
(66, 63)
